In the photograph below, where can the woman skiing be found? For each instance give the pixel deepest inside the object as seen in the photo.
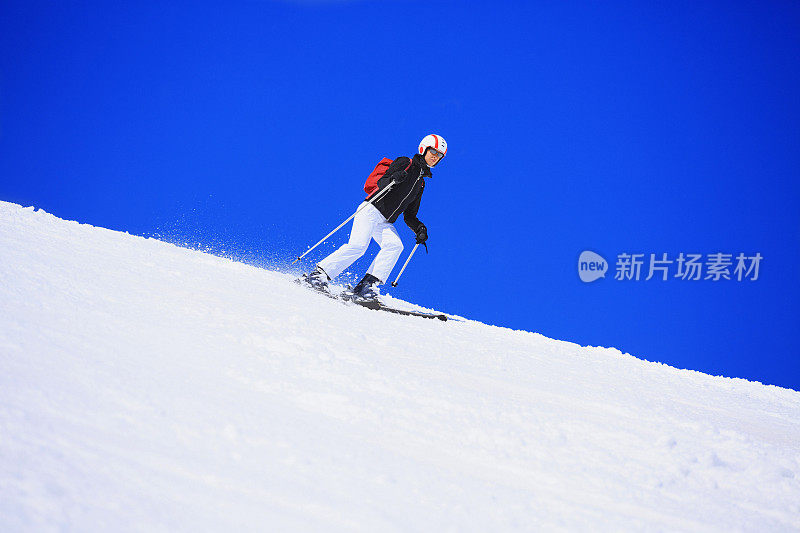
(406, 179)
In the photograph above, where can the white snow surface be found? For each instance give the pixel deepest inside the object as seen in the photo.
(148, 387)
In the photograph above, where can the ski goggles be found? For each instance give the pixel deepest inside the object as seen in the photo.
(435, 152)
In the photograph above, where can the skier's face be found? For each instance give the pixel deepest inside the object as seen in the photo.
(433, 156)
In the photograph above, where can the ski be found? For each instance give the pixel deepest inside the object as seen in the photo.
(375, 305)
(378, 306)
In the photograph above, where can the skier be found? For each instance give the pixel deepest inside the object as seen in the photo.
(406, 176)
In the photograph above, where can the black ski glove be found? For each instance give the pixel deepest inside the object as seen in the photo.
(422, 234)
(400, 176)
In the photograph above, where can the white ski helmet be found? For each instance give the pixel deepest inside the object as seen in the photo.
(436, 142)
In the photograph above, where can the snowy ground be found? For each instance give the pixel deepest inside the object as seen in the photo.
(148, 387)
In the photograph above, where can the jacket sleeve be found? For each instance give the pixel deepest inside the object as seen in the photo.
(410, 214)
(397, 165)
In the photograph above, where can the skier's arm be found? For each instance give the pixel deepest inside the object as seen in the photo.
(410, 214)
(394, 171)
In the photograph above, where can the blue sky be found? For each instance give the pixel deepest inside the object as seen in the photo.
(248, 128)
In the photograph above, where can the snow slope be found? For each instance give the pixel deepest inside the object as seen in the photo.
(147, 387)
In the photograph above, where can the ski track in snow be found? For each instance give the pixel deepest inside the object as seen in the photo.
(147, 387)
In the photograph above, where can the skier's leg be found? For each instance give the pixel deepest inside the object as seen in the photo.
(391, 248)
(363, 225)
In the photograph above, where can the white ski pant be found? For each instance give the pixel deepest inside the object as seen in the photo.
(368, 224)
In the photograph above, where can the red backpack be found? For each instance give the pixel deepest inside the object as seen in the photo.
(371, 184)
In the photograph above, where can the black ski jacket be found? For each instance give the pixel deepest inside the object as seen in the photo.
(406, 195)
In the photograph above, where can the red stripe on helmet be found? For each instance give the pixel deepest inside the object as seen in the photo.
(437, 141)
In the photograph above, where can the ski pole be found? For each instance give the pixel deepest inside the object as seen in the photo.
(377, 196)
(394, 283)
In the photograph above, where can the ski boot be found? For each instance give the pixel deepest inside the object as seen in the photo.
(317, 280)
(365, 290)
